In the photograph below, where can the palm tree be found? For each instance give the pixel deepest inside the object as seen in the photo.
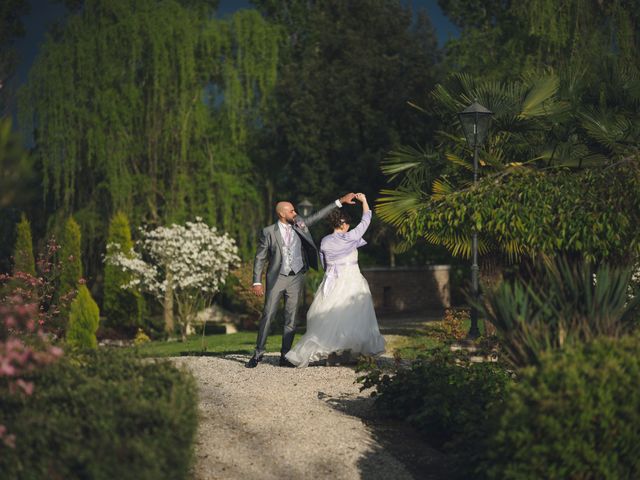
(523, 112)
(541, 122)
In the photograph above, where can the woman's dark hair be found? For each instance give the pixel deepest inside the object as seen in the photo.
(337, 217)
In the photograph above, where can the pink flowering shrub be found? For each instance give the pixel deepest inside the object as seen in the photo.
(28, 305)
(23, 347)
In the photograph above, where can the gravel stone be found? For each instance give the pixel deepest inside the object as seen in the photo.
(271, 422)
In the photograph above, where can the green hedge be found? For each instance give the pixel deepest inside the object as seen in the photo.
(442, 394)
(102, 415)
(576, 416)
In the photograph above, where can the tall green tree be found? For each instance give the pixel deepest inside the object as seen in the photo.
(16, 169)
(347, 70)
(71, 257)
(516, 210)
(122, 308)
(16, 188)
(23, 259)
(501, 39)
(144, 106)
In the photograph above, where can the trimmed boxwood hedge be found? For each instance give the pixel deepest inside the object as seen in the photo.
(576, 416)
(102, 415)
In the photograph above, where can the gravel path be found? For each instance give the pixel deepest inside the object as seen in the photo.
(283, 423)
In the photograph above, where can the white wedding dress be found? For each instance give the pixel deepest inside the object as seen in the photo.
(340, 318)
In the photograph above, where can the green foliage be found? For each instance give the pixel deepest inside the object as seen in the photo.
(103, 415)
(145, 107)
(16, 168)
(9, 218)
(560, 304)
(535, 126)
(442, 394)
(500, 39)
(84, 318)
(239, 296)
(575, 416)
(564, 86)
(591, 214)
(23, 258)
(122, 308)
(70, 257)
(346, 72)
(452, 328)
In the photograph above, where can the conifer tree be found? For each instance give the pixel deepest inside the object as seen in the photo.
(70, 256)
(84, 318)
(122, 308)
(23, 253)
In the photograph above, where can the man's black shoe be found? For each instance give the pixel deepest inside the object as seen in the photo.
(253, 362)
(286, 363)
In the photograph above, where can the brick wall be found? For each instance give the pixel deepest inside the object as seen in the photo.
(404, 290)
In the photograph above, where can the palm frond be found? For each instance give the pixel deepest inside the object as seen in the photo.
(445, 100)
(605, 131)
(395, 206)
(514, 250)
(402, 159)
(417, 107)
(440, 188)
(594, 160)
(455, 159)
(458, 244)
(539, 98)
(403, 246)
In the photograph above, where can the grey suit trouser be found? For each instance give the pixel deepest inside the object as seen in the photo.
(289, 287)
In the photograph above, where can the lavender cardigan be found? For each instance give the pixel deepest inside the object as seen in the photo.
(336, 246)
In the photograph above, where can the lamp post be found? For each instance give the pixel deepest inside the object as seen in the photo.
(305, 207)
(475, 121)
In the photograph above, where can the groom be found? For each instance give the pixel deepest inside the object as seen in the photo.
(290, 251)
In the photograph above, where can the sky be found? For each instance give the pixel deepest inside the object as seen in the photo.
(45, 13)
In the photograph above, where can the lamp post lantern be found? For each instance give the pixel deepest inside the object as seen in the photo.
(305, 207)
(475, 121)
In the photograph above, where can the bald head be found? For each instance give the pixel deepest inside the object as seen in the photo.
(281, 207)
(285, 211)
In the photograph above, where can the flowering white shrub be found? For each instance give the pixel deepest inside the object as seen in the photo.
(187, 262)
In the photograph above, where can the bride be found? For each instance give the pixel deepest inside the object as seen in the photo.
(341, 319)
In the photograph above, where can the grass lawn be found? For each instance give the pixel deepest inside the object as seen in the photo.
(407, 346)
(410, 346)
(241, 342)
(244, 343)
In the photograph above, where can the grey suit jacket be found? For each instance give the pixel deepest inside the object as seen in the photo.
(270, 247)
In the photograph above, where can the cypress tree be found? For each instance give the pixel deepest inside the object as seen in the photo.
(84, 318)
(70, 256)
(23, 252)
(122, 308)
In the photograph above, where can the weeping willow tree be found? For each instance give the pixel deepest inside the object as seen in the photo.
(570, 31)
(144, 106)
(498, 39)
